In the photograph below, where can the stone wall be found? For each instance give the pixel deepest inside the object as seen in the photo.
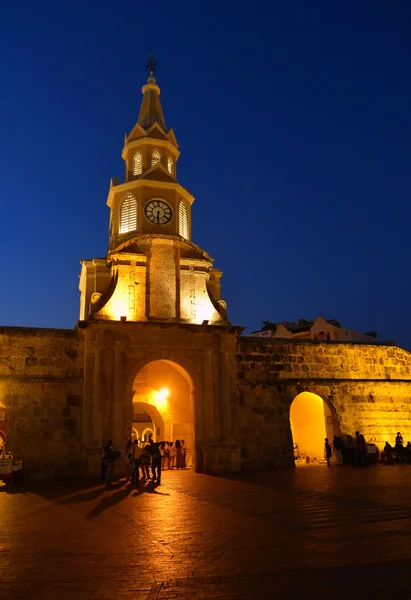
(367, 387)
(57, 418)
(41, 388)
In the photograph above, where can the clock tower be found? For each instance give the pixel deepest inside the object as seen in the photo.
(153, 271)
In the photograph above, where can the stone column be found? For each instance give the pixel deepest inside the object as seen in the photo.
(225, 396)
(92, 404)
(98, 396)
(87, 435)
(118, 399)
(208, 397)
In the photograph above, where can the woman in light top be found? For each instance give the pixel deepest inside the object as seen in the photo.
(171, 455)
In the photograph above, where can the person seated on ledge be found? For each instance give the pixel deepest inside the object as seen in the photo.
(386, 455)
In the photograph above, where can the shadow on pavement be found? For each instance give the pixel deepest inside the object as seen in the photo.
(149, 488)
(122, 494)
(12, 488)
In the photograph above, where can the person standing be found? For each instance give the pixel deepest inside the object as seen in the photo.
(163, 454)
(145, 462)
(399, 446)
(337, 445)
(135, 476)
(360, 448)
(327, 449)
(155, 460)
(103, 461)
(179, 456)
(399, 441)
(129, 460)
(166, 457)
(109, 458)
(184, 451)
(171, 455)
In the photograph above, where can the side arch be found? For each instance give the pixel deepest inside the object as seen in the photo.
(311, 421)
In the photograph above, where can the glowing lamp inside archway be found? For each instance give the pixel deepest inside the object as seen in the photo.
(160, 397)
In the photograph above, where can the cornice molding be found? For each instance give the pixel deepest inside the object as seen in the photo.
(135, 184)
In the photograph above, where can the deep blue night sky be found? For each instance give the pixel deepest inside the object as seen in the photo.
(294, 128)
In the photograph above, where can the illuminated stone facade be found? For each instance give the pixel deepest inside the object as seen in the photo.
(153, 271)
(41, 391)
(365, 387)
(65, 391)
(151, 317)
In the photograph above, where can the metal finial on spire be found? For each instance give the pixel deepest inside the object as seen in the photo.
(151, 65)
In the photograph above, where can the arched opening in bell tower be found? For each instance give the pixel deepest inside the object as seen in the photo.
(163, 406)
(311, 421)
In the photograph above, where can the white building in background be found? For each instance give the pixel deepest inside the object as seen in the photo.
(319, 329)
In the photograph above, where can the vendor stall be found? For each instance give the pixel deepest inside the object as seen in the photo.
(8, 466)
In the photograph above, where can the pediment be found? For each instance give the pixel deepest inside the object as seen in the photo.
(172, 138)
(137, 133)
(156, 132)
(158, 173)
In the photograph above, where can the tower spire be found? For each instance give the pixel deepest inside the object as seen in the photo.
(151, 111)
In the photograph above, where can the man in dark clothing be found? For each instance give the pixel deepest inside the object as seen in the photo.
(135, 475)
(155, 460)
(360, 449)
(109, 458)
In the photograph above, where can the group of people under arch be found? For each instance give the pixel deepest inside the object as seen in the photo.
(143, 461)
(347, 450)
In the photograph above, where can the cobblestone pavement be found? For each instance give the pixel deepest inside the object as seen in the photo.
(329, 532)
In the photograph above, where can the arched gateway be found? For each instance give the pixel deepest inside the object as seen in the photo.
(163, 391)
(186, 388)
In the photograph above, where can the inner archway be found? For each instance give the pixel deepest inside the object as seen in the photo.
(163, 405)
(311, 421)
(148, 421)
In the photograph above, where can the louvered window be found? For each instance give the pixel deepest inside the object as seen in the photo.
(155, 157)
(137, 164)
(170, 165)
(182, 220)
(128, 214)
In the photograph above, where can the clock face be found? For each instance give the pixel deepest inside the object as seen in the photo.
(158, 212)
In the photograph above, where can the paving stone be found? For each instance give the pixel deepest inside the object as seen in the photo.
(282, 534)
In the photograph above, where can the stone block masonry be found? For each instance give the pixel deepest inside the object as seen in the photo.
(64, 391)
(41, 388)
(366, 387)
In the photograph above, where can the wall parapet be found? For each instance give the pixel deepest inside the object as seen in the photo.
(276, 359)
